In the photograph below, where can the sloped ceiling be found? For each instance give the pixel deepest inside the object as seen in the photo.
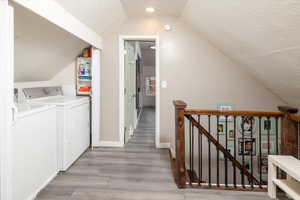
(103, 15)
(261, 35)
(163, 8)
(99, 15)
(41, 48)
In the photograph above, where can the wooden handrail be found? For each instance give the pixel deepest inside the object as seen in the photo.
(288, 109)
(295, 118)
(233, 113)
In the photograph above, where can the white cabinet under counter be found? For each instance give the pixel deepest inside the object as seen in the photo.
(34, 150)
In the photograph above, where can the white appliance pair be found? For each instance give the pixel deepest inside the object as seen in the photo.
(73, 122)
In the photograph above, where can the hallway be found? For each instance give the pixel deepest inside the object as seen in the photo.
(138, 171)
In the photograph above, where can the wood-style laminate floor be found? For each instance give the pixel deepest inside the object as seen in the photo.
(138, 171)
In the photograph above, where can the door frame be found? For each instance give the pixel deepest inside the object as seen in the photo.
(6, 100)
(95, 111)
(122, 39)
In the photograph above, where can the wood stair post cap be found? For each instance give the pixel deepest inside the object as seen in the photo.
(179, 104)
(288, 109)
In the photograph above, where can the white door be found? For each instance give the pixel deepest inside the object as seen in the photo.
(129, 89)
(6, 95)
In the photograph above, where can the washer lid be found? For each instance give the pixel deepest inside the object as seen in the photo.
(25, 109)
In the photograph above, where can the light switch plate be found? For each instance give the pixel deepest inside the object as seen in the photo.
(164, 84)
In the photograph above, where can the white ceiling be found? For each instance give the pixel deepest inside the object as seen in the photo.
(101, 15)
(97, 14)
(41, 48)
(261, 35)
(165, 8)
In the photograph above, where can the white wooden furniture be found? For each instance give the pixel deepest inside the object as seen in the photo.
(291, 185)
(33, 155)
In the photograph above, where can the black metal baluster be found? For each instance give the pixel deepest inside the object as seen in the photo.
(199, 154)
(209, 155)
(276, 142)
(192, 167)
(242, 146)
(277, 148)
(218, 154)
(268, 119)
(252, 149)
(234, 146)
(298, 123)
(190, 153)
(260, 172)
(226, 147)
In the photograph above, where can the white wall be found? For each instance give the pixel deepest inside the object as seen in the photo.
(195, 71)
(41, 48)
(65, 78)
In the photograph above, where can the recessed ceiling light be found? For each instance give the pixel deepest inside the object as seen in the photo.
(150, 9)
(167, 27)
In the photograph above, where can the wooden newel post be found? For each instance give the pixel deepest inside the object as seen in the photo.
(180, 143)
(289, 135)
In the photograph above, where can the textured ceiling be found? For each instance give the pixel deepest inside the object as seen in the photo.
(99, 15)
(166, 8)
(261, 35)
(41, 48)
(102, 15)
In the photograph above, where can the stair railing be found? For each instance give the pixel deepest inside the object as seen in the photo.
(229, 149)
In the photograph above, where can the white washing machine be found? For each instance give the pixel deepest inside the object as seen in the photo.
(73, 122)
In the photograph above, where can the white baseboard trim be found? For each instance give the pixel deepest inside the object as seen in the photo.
(164, 146)
(34, 195)
(110, 144)
(172, 152)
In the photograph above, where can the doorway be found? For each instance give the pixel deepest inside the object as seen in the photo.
(139, 91)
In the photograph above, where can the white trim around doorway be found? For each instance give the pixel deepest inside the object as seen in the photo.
(122, 39)
(6, 100)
